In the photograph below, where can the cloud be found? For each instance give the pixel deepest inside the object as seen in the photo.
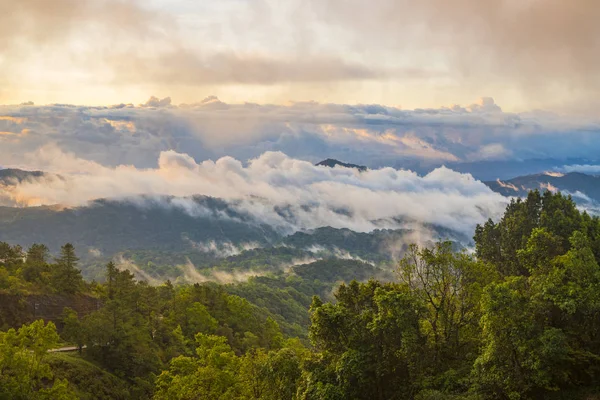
(333, 251)
(222, 249)
(529, 51)
(108, 45)
(507, 185)
(156, 102)
(587, 168)
(183, 67)
(554, 174)
(35, 31)
(534, 46)
(38, 22)
(127, 264)
(191, 275)
(549, 187)
(493, 151)
(275, 189)
(368, 134)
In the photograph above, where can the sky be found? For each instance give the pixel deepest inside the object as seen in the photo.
(526, 54)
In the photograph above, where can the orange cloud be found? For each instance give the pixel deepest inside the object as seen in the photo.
(121, 125)
(16, 120)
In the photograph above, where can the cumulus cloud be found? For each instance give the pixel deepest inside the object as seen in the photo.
(156, 102)
(274, 189)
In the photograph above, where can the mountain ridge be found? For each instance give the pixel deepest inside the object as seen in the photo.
(584, 188)
(332, 162)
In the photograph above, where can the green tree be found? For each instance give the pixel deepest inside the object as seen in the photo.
(24, 372)
(447, 286)
(120, 329)
(213, 374)
(36, 268)
(66, 278)
(270, 376)
(73, 329)
(369, 340)
(200, 320)
(11, 257)
(521, 354)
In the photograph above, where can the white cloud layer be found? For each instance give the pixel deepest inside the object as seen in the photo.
(373, 135)
(586, 169)
(274, 189)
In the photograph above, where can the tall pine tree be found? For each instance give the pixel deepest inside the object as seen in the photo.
(66, 278)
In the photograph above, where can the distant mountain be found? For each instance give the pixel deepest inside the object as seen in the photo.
(11, 176)
(107, 227)
(333, 269)
(159, 234)
(585, 189)
(379, 245)
(330, 162)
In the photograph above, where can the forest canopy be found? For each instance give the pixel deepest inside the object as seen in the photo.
(517, 318)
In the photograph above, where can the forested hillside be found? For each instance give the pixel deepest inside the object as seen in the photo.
(162, 235)
(518, 318)
(160, 223)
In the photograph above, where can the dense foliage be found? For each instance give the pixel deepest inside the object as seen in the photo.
(32, 270)
(518, 319)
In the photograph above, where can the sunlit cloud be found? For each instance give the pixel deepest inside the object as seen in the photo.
(529, 54)
(273, 189)
(460, 137)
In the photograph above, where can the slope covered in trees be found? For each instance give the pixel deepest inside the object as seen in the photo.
(160, 234)
(518, 319)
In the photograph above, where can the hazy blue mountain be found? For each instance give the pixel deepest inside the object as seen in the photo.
(108, 227)
(584, 188)
(158, 237)
(10, 176)
(378, 245)
(333, 269)
(159, 234)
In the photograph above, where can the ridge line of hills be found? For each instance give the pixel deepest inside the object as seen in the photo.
(158, 239)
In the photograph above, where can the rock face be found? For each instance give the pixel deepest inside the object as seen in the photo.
(16, 310)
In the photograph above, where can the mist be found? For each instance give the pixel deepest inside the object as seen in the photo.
(272, 189)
